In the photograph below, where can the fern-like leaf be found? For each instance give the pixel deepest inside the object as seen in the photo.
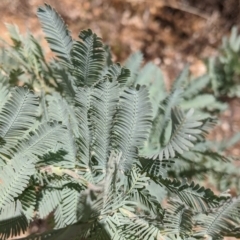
(193, 195)
(131, 125)
(104, 105)
(117, 73)
(83, 102)
(133, 63)
(66, 211)
(12, 220)
(161, 123)
(56, 32)
(131, 226)
(87, 58)
(181, 80)
(59, 110)
(66, 81)
(152, 77)
(14, 179)
(49, 202)
(28, 200)
(75, 231)
(158, 167)
(4, 90)
(195, 86)
(220, 221)
(137, 189)
(41, 141)
(185, 128)
(178, 219)
(18, 114)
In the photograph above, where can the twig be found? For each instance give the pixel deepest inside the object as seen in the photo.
(179, 6)
(59, 171)
(188, 9)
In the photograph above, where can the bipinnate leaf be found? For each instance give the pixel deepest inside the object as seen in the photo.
(88, 58)
(12, 220)
(132, 123)
(185, 129)
(14, 178)
(18, 114)
(57, 34)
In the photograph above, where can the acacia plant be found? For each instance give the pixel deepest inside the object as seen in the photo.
(94, 146)
(224, 70)
(186, 93)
